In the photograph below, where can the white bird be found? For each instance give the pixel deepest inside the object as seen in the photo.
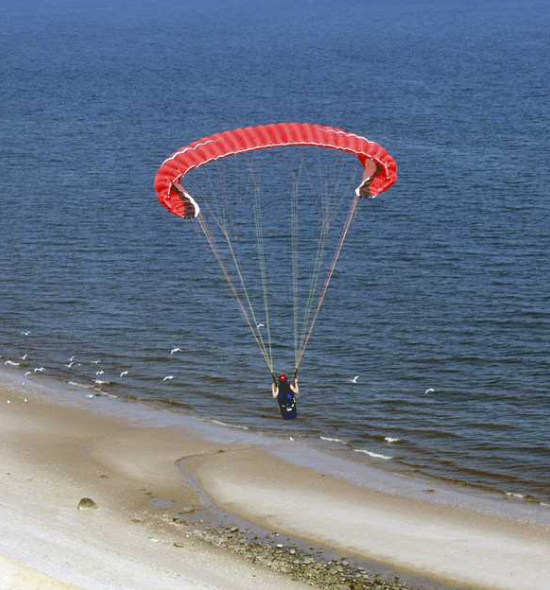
(96, 362)
(24, 357)
(26, 332)
(71, 359)
(39, 370)
(27, 373)
(174, 350)
(70, 365)
(100, 382)
(12, 364)
(100, 372)
(168, 378)
(124, 373)
(25, 400)
(430, 390)
(355, 379)
(259, 326)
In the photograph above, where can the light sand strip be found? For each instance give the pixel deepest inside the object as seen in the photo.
(449, 544)
(52, 456)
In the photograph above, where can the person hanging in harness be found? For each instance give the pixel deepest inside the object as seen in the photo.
(285, 393)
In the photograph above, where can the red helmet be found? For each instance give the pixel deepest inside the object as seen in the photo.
(283, 378)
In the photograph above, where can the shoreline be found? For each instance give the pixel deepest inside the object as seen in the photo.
(441, 538)
(333, 455)
(381, 459)
(384, 452)
(53, 456)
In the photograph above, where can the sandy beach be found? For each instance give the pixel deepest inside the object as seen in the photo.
(274, 305)
(52, 457)
(154, 485)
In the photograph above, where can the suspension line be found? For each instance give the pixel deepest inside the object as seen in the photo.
(344, 234)
(249, 318)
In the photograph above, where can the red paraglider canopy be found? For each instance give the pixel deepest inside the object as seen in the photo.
(380, 168)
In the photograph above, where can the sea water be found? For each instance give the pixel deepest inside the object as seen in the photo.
(440, 303)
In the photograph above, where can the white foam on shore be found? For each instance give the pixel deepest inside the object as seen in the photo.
(81, 385)
(237, 426)
(374, 455)
(515, 495)
(335, 440)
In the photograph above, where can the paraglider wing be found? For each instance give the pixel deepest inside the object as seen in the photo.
(308, 289)
(380, 172)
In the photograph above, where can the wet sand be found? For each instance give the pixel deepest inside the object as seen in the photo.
(51, 457)
(146, 530)
(448, 544)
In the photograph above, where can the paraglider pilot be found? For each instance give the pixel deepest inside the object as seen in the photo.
(285, 393)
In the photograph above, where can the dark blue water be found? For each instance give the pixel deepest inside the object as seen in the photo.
(443, 283)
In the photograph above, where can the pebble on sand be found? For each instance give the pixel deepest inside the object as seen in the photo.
(187, 510)
(87, 504)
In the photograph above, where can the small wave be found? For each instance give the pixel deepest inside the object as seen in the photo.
(336, 440)
(81, 385)
(515, 495)
(239, 427)
(390, 439)
(374, 455)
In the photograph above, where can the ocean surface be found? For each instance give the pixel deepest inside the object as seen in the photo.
(441, 299)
